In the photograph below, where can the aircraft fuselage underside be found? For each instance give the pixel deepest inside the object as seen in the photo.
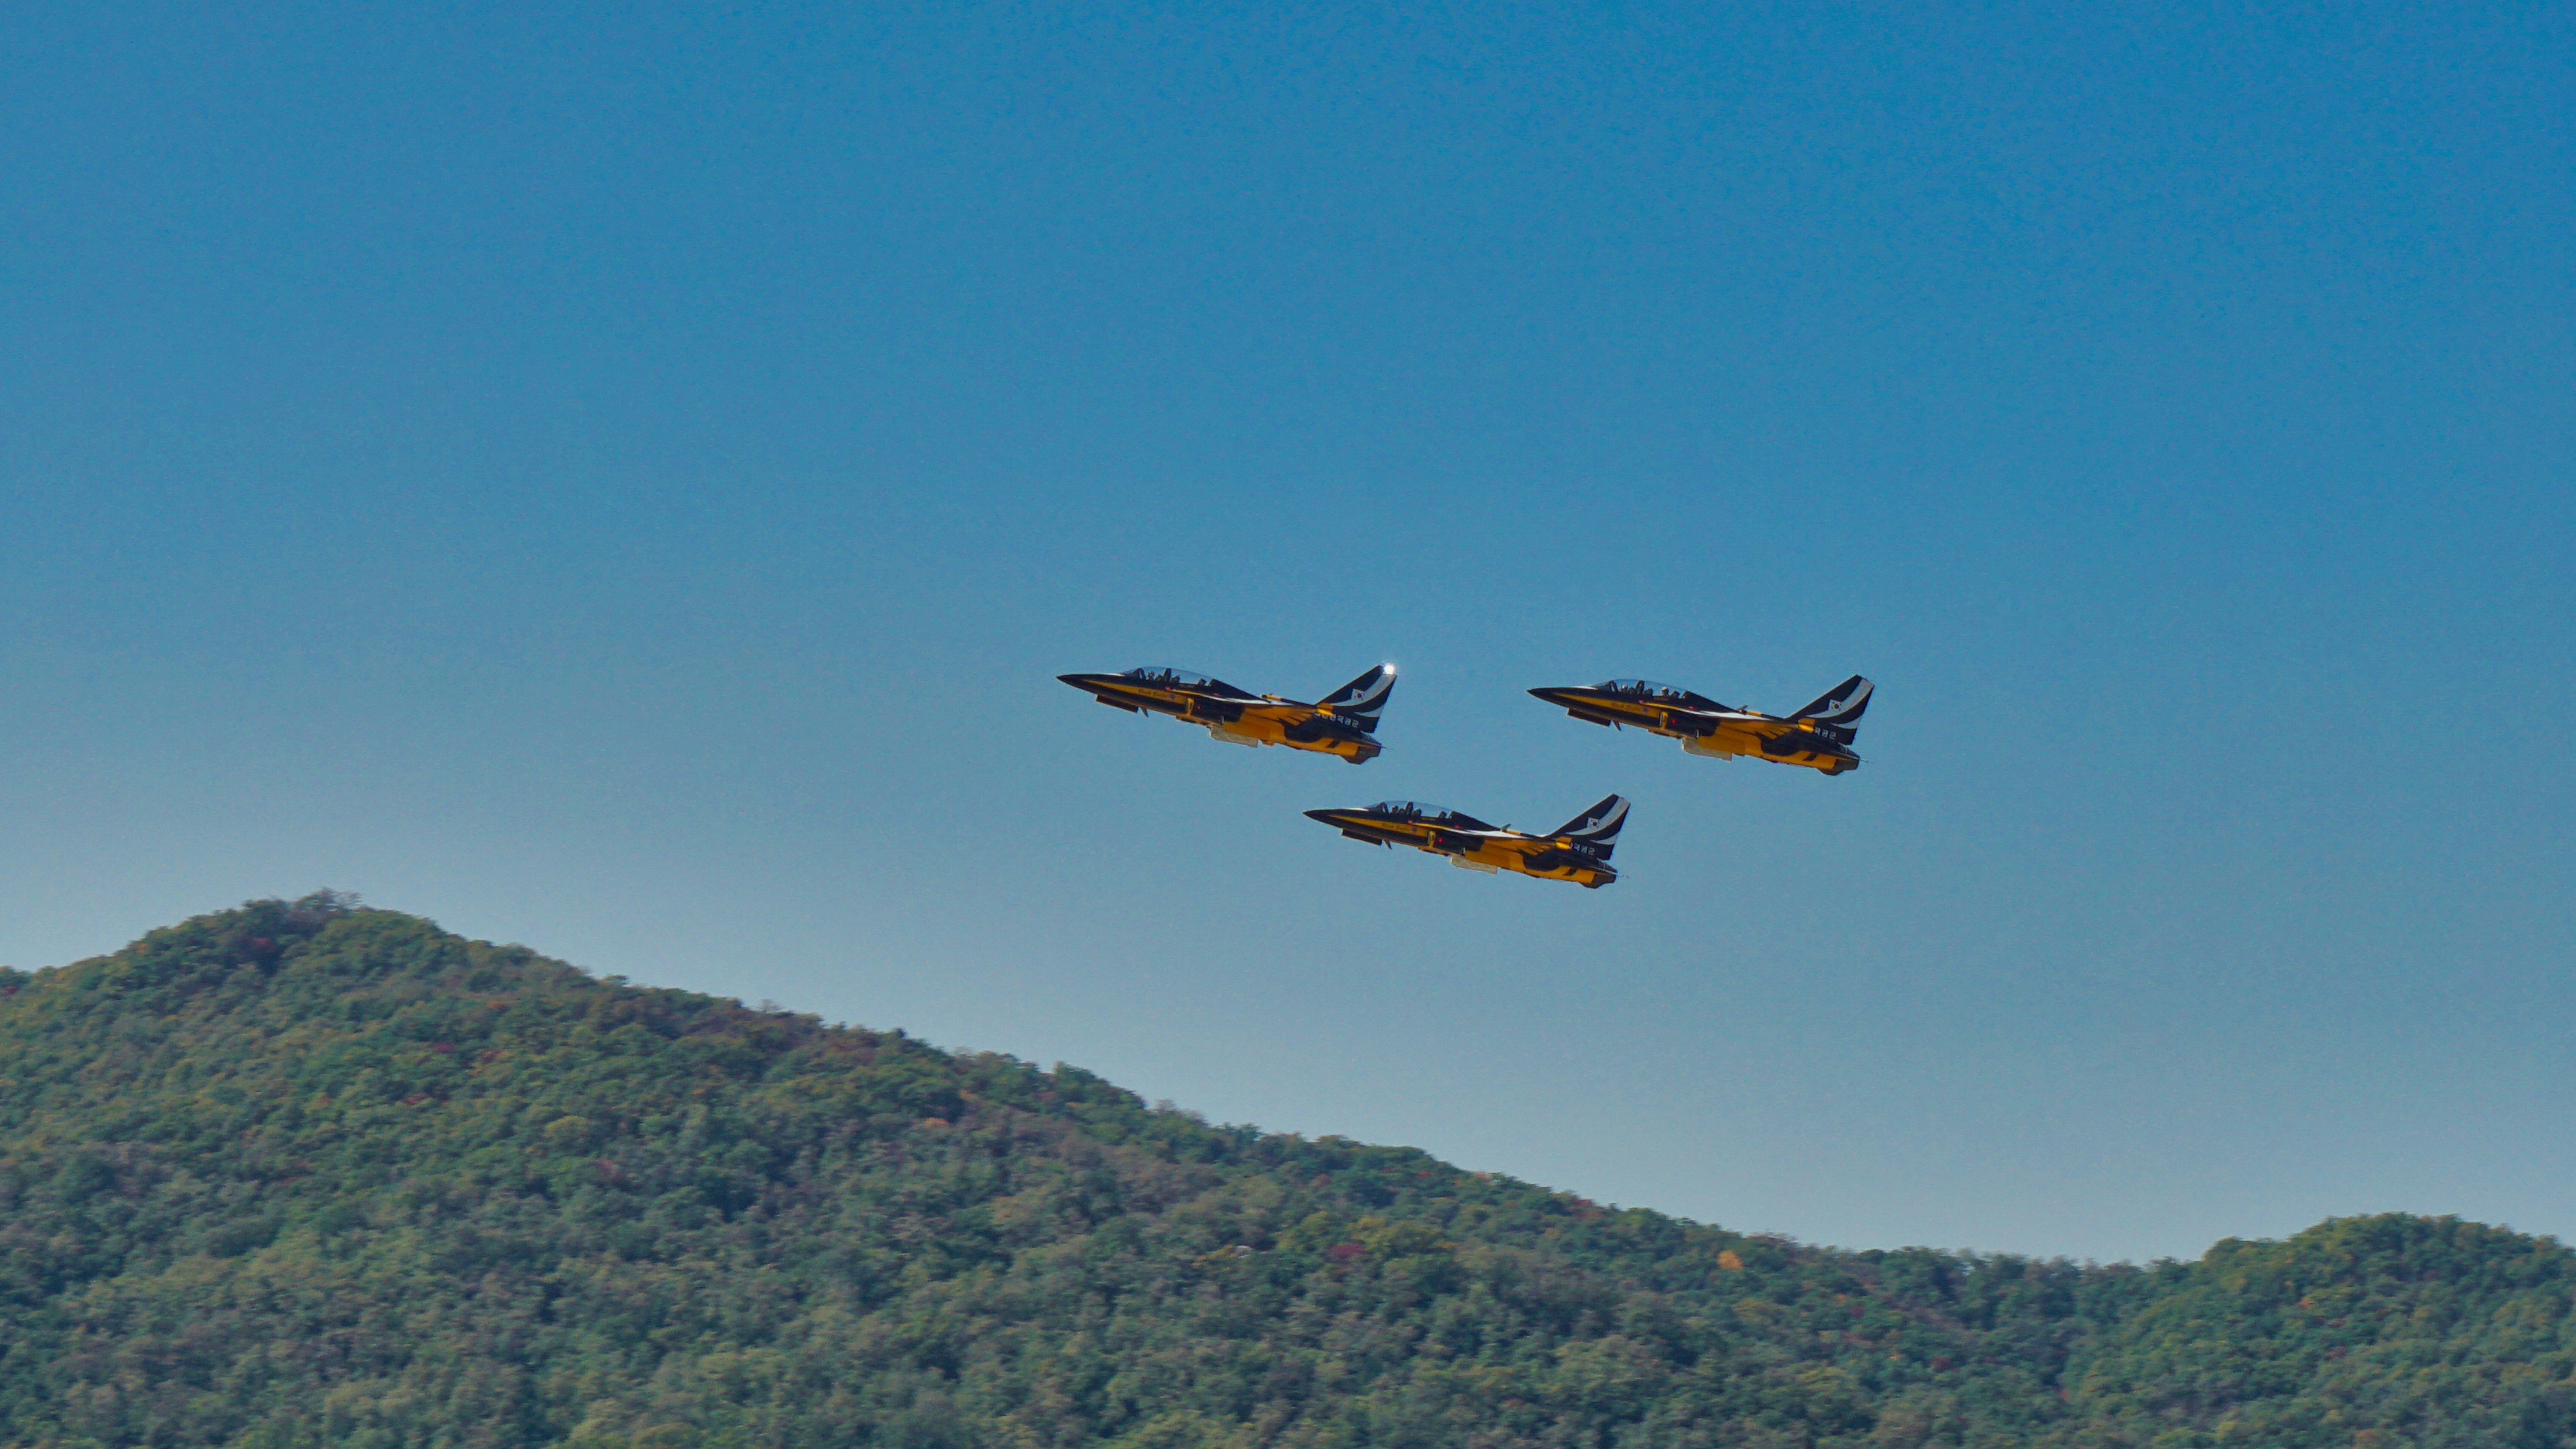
(1473, 852)
(1240, 723)
(1793, 746)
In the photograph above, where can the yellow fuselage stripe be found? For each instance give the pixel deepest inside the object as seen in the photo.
(1727, 739)
(1251, 726)
(1510, 855)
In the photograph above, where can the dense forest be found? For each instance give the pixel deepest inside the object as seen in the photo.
(310, 1174)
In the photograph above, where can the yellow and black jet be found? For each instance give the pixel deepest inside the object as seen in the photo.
(1579, 850)
(1818, 737)
(1342, 723)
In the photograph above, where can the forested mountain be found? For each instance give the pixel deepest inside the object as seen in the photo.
(304, 1174)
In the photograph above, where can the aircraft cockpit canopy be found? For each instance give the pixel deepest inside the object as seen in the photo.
(1654, 692)
(1429, 814)
(1165, 676)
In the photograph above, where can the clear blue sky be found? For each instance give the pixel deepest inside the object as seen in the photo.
(623, 479)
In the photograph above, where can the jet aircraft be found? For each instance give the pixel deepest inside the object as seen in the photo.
(1579, 850)
(1342, 723)
(1818, 736)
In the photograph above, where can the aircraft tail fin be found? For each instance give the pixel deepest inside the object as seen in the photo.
(1596, 831)
(1360, 700)
(1838, 712)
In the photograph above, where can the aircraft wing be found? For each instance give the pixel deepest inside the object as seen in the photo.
(1458, 838)
(1503, 839)
(1307, 722)
(1406, 832)
(1749, 721)
(1239, 704)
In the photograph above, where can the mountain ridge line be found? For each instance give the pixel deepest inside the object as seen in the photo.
(307, 1172)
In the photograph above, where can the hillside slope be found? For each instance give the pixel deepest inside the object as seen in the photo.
(301, 1174)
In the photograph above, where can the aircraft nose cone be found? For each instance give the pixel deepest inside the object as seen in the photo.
(1078, 681)
(1552, 696)
(1329, 817)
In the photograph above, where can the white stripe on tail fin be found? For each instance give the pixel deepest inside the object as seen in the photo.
(1360, 700)
(1841, 706)
(1596, 830)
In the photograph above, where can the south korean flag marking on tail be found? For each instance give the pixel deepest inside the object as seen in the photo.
(1850, 708)
(1596, 829)
(1842, 705)
(1606, 823)
(1361, 700)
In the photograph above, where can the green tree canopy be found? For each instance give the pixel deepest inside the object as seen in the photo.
(309, 1174)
